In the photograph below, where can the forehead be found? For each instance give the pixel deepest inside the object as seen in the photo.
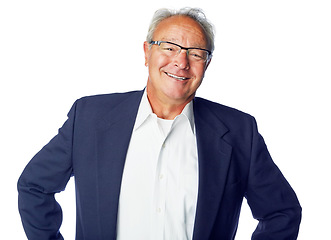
(180, 29)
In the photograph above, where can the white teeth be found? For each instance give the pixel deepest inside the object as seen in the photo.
(176, 77)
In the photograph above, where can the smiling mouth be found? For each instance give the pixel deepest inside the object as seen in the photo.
(176, 77)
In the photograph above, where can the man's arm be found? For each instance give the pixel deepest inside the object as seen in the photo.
(46, 174)
(270, 197)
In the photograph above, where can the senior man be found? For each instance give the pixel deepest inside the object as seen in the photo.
(160, 163)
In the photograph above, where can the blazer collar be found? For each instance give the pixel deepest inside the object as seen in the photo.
(125, 110)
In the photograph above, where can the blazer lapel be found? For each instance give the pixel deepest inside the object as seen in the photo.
(214, 159)
(113, 137)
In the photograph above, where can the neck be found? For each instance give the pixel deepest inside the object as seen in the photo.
(166, 110)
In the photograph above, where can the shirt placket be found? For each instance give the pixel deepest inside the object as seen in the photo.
(160, 186)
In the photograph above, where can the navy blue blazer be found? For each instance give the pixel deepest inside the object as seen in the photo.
(92, 144)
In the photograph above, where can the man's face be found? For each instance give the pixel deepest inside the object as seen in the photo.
(174, 80)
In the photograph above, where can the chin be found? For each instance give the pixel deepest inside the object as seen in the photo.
(179, 97)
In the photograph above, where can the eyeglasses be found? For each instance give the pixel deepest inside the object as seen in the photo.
(172, 50)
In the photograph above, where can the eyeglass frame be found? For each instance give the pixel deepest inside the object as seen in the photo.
(181, 48)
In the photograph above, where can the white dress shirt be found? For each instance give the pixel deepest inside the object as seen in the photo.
(160, 179)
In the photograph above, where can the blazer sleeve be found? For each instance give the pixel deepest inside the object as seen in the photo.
(46, 174)
(270, 197)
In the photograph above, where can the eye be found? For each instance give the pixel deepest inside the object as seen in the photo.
(167, 47)
(170, 49)
(197, 54)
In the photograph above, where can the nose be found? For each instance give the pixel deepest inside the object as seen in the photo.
(181, 60)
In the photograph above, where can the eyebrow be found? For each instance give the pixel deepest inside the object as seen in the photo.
(174, 41)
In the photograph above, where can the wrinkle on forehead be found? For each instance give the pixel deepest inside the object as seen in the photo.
(182, 30)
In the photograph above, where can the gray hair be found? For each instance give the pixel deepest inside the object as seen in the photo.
(194, 13)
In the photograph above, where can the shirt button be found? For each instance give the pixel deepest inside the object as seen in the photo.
(159, 210)
(161, 176)
(163, 145)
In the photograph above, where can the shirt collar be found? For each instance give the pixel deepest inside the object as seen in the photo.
(145, 111)
(188, 113)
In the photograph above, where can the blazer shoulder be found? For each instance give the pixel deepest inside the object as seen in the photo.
(107, 99)
(105, 102)
(225, 113)
(96, 106)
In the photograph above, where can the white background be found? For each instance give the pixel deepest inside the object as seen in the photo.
(272, 60)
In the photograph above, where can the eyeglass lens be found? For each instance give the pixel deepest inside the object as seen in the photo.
(173, 50)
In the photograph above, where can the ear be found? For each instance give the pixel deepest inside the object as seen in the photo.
(146, 51)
